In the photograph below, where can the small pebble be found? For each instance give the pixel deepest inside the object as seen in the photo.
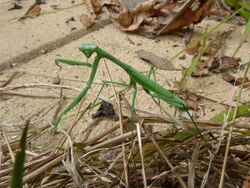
(71, 19)
(43, 51)
(13, 65)
(56, 80)
(182, 57)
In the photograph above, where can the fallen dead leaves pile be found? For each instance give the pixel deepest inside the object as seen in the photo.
(153, 16)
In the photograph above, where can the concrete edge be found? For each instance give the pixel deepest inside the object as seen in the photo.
(52, 45)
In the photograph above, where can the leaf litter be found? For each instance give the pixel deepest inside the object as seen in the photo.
(152, 17)
(155, 60)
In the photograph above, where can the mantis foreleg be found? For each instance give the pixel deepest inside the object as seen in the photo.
(82, 93)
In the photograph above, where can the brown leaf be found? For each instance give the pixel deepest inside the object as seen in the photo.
(191, 99)
(224, 63)
(228, 63)
(105, 110)
(228, 78)
(157, 17)
(193, 47)
(87, 20)
(94, 6)
(188, 34)
(191, 11)
(155, 60)
(246, 183)
(245, 83)
(34, 11)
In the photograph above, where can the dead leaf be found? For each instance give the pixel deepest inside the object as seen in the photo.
(193, 47)
(94, 7)
(87, 20)
(105, 110)
(191, 99)
(156, 17)
(211, 61)
(245, 83)
(228, 63)
(224, 63)
(155, 60)
(228, 78)
(34, 11)
(246, 183)
(187, 36)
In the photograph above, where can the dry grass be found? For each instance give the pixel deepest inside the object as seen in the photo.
(179, 159)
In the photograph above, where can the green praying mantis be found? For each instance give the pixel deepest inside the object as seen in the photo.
(151, 87)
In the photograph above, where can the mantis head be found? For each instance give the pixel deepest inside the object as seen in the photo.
(88, 49)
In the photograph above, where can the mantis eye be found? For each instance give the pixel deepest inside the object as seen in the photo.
(88, 49)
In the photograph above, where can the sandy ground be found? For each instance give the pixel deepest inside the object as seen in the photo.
(38, 74)
(19, 37)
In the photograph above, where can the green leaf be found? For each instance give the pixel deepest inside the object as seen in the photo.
(17, 176)
(183, 135)
(244, 5)
(243, 110)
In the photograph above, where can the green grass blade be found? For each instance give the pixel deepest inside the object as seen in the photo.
(243, 36)
(242, 110)
(17, 176)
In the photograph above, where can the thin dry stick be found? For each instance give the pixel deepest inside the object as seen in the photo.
(158, 118)
(93, 140)
(58, 108)
(118, 100)
(113, 88)
(12, 93)
(70, 128)
(125, 160)
(87, 131)
(142, 156)
(9, 147)
(231, 130)
(39, 85)
(43, 168)
(182, 183)
(11, 77)
(64, 78)
(191, 165)
(111, 141)
(69, 163)
(1, 155)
